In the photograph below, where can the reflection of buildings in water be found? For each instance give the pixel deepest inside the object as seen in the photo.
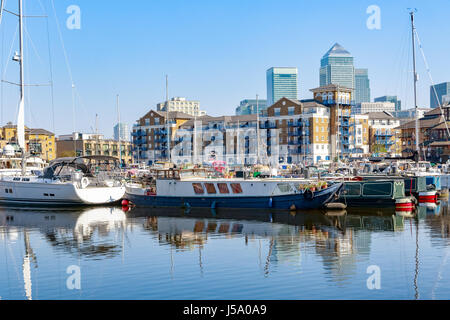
(339, 240)
(70, 231)
(186, 233)
(345, 239)
(438, 222)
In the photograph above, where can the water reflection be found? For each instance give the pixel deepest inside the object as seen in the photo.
(339, 241)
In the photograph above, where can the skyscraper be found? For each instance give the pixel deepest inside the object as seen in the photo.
(336, 67)
(281, 82)
(442, 89)
(124, 132)
(393, 99)
(249, 106)
(362, 86)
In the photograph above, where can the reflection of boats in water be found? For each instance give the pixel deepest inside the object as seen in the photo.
(70, 231)
(65, 228)
(260, 223)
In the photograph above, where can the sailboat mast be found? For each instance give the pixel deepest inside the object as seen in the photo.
(21, 113)
(413, 31)
(257, 129)
(167, 118)
(118, 131)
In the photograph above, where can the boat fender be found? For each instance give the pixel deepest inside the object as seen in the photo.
(213, 205)
(308, 194)
(84, 182)
(270, 202)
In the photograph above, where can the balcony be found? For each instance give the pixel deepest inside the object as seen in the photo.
(268, 125)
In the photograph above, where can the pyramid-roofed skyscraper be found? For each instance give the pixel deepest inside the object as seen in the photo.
(336, 67)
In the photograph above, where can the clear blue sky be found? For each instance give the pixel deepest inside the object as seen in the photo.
(213, 51)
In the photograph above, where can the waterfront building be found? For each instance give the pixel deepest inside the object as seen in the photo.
(287, 131)
(411, 113)
(336, 67)
(384, 135)
(89, 144)
(250, 106)
(433, 138)
(231, 139)
(281, 83)
(179, 104)
(359, 135)
(122, 132)
(339, 101)
(446, 99)
(39, 142)
(150, 138)
(362, 86)
(393, 99)
(368, 107)
(442, 89)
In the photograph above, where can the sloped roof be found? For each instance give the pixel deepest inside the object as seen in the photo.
(380, 115)
(337, 51)
(41, 131)
(423, 123)
(225, 119)
(174, 114)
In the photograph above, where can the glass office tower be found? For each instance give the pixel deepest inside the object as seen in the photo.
(442, 89)
(393, 99)
(336, 67)
(281, 83)
(362, 86)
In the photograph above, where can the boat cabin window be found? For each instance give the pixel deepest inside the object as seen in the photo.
(236, 187)
(377, 189)
(198, 188)
(284, 187)
(210, 188)
(223, 188)
(352, 189)
(410, 184)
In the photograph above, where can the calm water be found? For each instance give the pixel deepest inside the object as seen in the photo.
(171, 254)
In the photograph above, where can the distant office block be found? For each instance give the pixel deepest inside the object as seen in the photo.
(281, 83)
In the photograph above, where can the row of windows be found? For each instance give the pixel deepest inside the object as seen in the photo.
(211, 189)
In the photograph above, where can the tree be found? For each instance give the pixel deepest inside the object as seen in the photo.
(67, 154)
(379, 148)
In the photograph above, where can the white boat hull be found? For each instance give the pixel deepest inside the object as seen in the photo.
(53, 193)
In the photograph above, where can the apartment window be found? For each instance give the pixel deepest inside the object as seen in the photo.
(291, 111)
(156, 121)
(147, 122)
(277, 111)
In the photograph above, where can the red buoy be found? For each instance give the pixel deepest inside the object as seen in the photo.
(125, 202)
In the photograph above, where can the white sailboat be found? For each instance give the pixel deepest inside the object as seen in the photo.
(68, 181)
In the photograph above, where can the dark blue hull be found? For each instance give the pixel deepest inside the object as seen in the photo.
(284, 202)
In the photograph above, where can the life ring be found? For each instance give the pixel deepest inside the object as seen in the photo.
(308, 194)
(84, 182)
